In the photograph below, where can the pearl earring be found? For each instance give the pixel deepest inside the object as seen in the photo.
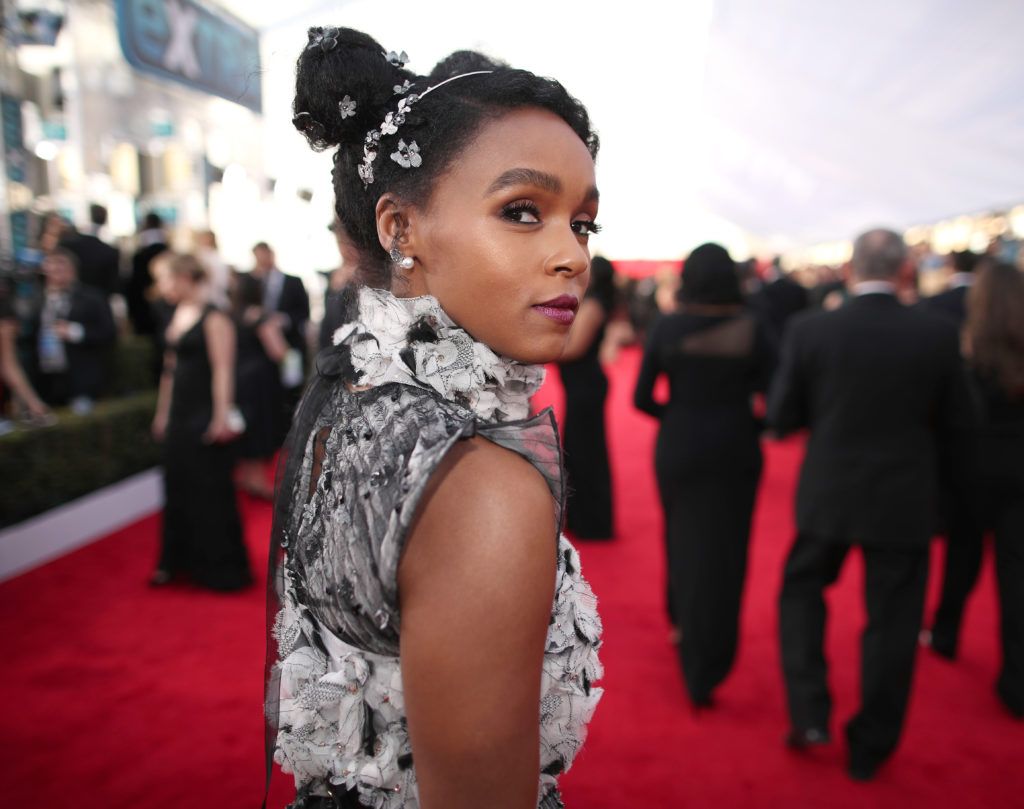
(404, 262)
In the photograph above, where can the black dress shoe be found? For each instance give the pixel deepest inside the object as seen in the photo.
(160, 578)
(938, 644)
(862, 769)
(801, 738)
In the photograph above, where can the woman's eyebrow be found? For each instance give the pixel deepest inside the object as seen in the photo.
(540, 179)
(523, 176)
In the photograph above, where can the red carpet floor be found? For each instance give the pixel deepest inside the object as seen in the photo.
(120, 697)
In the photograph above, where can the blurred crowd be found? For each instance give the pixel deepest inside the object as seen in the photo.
(913, 407)
(229, 350)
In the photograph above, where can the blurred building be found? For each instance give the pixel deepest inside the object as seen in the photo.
(139, 105)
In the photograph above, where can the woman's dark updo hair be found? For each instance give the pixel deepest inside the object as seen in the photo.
(710, 277)
(341, 62)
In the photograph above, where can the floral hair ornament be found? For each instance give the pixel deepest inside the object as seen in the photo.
(397, 59)
(346, 107)
(324, 38)
(408, 157)
(408, 154)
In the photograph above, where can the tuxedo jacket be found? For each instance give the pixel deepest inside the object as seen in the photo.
(98, 262)
(87, 359)
(140, 310)
(882, 389)
(779, 301)
(294, 302)
(951, 304)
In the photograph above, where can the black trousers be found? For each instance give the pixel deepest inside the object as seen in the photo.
(895, 580)
(964, 545)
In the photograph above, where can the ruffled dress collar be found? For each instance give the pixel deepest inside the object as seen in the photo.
(413, 341)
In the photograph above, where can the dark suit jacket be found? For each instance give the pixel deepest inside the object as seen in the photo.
(778, 301)
(294, 302)
(87, 359)
(951, 304)
(881, 387)
(140, 310)
(98, 262)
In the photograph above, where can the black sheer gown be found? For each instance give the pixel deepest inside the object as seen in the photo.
(708, 463)
(589, 507)
(259, 394)
(202, 531)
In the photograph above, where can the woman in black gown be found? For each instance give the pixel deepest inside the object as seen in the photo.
(708, 457)
(584, 437)
(202, 531)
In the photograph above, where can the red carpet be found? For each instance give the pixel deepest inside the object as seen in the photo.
(120, 697)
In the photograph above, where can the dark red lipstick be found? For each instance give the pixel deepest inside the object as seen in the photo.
(561, 309)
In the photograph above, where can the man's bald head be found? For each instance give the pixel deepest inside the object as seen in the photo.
(878, 255)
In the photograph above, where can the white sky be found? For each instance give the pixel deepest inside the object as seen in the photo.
(763, 124)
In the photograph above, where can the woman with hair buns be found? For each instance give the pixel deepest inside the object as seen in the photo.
(434, 643)
(202, 532)
(708, 457)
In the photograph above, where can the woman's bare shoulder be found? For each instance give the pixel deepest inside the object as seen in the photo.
(484, 505)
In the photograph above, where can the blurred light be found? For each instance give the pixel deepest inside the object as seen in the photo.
(19, 196)
(46, 150)
(124, 169)
(218, 150)
(192, 135)
(177, 167)
(71, 172)
(121, 209)
(1017, 221)
(235, 176)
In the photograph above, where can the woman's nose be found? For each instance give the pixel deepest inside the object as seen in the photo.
(569, 256)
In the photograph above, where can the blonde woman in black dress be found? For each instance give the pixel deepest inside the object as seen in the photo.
(202, 531)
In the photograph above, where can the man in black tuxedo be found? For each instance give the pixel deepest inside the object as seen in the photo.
(952, 304)
(151, 242)
(284, 294)
(779, 298)
(881, 387)
(963, 535)
(98, 262)
(72, 331)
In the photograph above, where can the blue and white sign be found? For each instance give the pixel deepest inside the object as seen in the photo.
(186, 42)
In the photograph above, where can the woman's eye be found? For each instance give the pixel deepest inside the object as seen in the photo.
(585, 227)
(523, 214)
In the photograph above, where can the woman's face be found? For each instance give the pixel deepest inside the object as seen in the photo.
(505, 232)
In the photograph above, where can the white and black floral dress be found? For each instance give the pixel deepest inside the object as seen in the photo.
(401, 387)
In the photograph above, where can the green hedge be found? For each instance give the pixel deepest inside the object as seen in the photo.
(131, 366)
(45, 467)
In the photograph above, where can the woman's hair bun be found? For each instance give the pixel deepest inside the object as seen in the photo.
(344, 85)
(463, 62)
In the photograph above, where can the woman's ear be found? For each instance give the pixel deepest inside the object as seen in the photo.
(392, 223)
